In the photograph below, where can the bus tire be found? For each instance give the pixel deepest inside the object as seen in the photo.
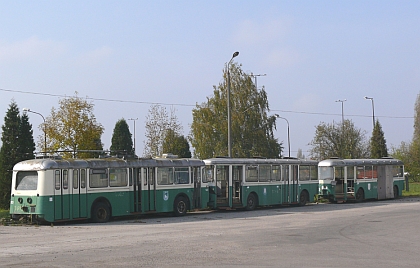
(251, 202)
(360, 195)
(395, 191)
(101, 212)
(180, 206)
(303, 198)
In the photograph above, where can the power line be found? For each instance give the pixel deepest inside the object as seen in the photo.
(191, 105)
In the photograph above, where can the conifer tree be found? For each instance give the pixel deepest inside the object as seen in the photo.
(378, 146)
(121, 142)
(17, 145)
(176, 144)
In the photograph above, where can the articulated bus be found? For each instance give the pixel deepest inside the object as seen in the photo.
(248, 183)
(360, 179)
(55, 190)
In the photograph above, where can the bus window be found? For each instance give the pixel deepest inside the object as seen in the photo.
(304, 173)
(182, 176)
(117, 177)
(314, 173)
(264, 173)
(83, 178)
(165, 176)
(276, 173)
(75, 178)
(26, 180)
(65, 179)
(98, 178)
(57, 180)
(251, 173)
(208, 175)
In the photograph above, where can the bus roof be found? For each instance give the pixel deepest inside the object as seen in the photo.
(45, 164)
(258, 161)
(359, 162)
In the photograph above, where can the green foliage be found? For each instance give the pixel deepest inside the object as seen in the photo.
(414, 189)
(176, 144)
(339, 140)
(121, 139)
(17, 145)
(251, 127)
(158, 122)
(378, 147)
(73, 129)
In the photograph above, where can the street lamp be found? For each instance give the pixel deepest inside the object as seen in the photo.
(373, 110)
(228, 107)
(134, 120)
(45, 133)
(255, 78)
(342, 124)
(288, 131)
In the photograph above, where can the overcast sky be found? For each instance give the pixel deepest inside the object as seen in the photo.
(126, 55)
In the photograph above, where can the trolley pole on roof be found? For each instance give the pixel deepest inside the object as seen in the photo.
(228, 106)
(134, 144)
(44, 128)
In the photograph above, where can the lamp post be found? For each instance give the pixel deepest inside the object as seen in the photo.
(45, 133)
(288, 131)
(255, 78)
(373, 110)
(228, 106)
(342, 124)
(134, 120)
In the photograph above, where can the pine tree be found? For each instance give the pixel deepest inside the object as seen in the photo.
(378, 146)
(17, 145)
(121, 142)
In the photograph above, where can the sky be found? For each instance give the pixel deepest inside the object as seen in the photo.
(125, 56)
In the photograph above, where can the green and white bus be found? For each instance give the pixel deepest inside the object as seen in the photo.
(360, 179)
(55, 190)
(248, 183)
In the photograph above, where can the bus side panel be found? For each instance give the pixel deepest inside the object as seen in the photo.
(370, 188)
(119, 201)
(400, 185)
(165, 198)
(205, 197)
(311, 188)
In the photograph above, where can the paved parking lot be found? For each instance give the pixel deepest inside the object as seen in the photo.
(370, 234)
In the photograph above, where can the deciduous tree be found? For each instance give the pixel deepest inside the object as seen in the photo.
(339, 140)
(176, 144)
(251, 127)
(72, 129)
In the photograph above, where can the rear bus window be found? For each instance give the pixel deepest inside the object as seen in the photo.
(26, 180)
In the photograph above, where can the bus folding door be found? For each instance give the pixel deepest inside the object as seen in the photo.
(149, 190)
(62, 205)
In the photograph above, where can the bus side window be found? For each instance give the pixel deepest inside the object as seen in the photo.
(75, 178)
(83, 178)
(65, 179)
(57, 180)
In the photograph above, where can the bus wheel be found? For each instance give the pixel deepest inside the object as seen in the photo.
(360, 195)
(101, 213)
(395, 191)
(304, 198)
(251, 202)
(180, 206)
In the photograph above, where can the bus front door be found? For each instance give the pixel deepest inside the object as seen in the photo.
(149, 197)
(222, 187)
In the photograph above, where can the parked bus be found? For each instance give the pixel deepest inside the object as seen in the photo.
(248, 183)
(54, 190)
(360, 179)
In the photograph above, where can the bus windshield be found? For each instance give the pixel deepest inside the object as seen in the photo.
(26, 180)
(326, 173)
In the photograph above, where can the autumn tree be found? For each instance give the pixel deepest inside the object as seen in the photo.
(378, 147)
(121, 142)
(339, 140)
(72, 129)
(158, 122)
(17, 145)
(176, 144)
(251, 126)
